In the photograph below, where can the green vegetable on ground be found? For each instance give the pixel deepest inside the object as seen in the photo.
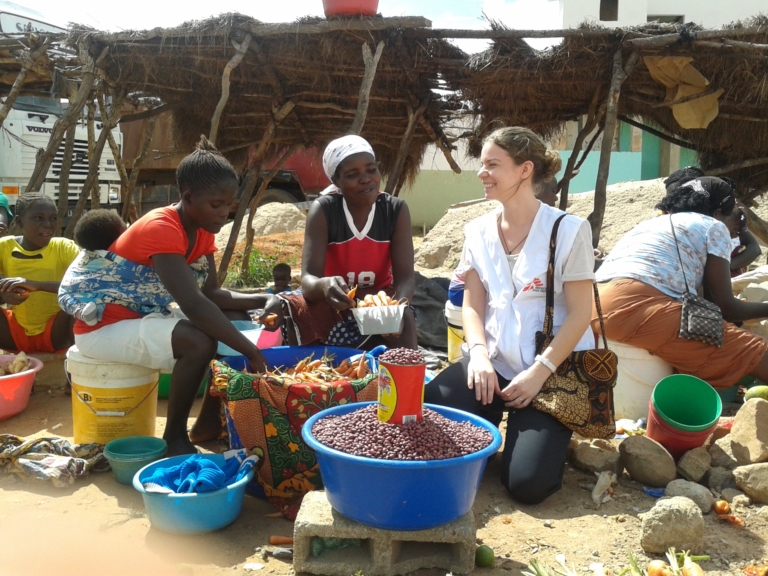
(484, 556)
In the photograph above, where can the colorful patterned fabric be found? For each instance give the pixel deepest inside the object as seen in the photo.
(318, 322)
(52, 460)
(268, 413)
(104, 278)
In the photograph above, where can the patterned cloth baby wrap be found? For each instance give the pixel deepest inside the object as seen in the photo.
(104, 278)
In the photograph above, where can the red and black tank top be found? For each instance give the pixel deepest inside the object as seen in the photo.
(361, 257)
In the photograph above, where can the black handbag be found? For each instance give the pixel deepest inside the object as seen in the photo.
(580, 393)
(700, 319)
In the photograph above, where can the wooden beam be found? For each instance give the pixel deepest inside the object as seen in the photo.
(66, 166)
(152, 112)
(737, 166)
(134, 176)
(657, 133)
(336, 25)
(240, 50)
(729, 116)
(621, 71)
(371, 63)
(405, 144)
(448, 33)
(667, 39)
(441, 142)
(329, 105)
(690, 98)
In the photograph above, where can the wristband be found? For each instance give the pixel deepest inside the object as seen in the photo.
(546, 363)
(477, 344)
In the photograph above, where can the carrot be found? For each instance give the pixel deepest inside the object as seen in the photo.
(274, 515)
(377, 301)
(368, 300)
(280, 540)
(362, 367)
(351, 293)
(270, 320)
(343, 366)
(313, 365)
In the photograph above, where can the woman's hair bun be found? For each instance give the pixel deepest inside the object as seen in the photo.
(206, 145)
(551, 165)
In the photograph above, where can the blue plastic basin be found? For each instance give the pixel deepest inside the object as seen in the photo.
(250, 330)
(287, 356)
(397, 494)
(191, 513)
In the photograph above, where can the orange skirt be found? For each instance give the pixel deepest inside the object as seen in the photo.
(639, 315)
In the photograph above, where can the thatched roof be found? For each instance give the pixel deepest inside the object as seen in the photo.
(320, 73)
(513, 84)
(317, 66)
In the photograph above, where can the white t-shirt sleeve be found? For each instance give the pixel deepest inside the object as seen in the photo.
(580, 264)
(719, 241)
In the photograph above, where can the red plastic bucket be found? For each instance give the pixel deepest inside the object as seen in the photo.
(676, 441)
(350, 7)
(401, 393)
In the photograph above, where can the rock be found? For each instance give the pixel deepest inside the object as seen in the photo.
(729, 494)
(672, 522)
(597, 456)
(696, 492)
(694, 464)
(753, 480)
(722, 454)
(749, 435)
(429, 300)
(741, 501)
(722, 429)
(719, 478)
(647, 461)
(271, 218)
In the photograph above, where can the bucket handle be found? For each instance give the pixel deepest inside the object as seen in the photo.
(98, 413)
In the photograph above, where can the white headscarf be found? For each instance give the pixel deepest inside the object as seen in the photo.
(337, 151)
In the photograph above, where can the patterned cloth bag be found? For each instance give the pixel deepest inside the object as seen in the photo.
(580, 393)
(268, 413)
(700, 319)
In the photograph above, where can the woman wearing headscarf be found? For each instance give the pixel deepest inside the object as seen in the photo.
(644, 277)
(356, 235)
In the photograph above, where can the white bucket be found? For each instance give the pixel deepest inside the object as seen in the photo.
(638, 374)
(455, 331)
(111, 400)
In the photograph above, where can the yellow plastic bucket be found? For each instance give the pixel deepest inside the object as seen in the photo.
(455, 331)
(111, 400)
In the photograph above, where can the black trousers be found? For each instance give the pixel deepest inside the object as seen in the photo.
(536, 444)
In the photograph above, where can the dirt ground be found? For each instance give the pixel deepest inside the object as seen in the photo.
(98, 526)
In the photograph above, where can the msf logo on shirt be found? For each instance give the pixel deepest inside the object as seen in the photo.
(534, 285)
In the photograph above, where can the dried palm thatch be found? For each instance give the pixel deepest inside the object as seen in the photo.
(319, 74)
(514, 84)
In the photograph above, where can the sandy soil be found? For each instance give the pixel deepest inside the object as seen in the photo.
(99, 526)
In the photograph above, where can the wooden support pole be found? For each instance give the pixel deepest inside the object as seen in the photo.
(127, 194)
(244, 192)
(371, 63)
(662, 40)
(143, 115)
(592, 120)
(690, 98)
(589, 147)
(28, 59)
(757, 225)
(621, 71)
(657, 133)
(91, 131)
(253, 206)
(66, 165)
(240, 50)
(413, 118)
(109, 121)
(71, 116)
(441, 142)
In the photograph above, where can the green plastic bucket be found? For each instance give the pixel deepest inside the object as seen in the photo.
(129, 455)
(686, 403)
(164, 386)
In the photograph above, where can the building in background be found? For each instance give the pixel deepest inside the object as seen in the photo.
(636, 155)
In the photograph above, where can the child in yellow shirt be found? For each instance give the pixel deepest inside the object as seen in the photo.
(33, 265)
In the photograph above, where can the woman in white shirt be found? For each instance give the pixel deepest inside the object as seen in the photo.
(642, 280)
(504, 261)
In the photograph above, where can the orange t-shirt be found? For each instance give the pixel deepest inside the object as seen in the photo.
(157, 232)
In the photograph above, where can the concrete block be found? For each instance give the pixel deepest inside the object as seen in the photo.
(449, 547)
(53, 375)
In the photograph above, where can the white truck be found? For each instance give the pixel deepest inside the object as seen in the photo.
(29, 126)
